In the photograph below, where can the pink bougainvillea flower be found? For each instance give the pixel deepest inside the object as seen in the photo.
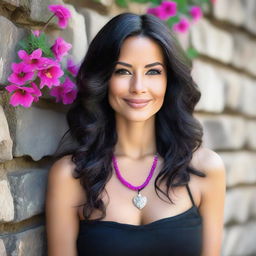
(72, 68)
(65, 92)
(33, 60)
(60, 48)
(49, 72)
(21, 73)
(36, 33)
(21, 95)
(196, 12)
(182, 26)
(62, 13)
(169, 7)
(158, 11)
(37, 93)
(213, 1)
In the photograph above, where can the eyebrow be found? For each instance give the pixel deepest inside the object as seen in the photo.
(147, 66)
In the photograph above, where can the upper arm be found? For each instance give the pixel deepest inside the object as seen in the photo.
(213, 189)
(62, 222)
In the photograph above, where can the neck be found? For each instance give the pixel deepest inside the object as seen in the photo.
(136, 140)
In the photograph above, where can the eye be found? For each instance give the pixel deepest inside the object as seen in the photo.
(156, 71)
(121, 71)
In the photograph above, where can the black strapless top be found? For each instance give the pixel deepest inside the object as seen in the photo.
(179, 235)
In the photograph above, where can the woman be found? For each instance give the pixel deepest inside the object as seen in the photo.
(136, 134)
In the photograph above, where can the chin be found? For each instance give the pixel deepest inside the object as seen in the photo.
(136, 116)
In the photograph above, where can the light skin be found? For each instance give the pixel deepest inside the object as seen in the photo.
(135, 148)
(132, 79)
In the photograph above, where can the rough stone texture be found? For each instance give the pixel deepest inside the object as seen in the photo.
(244, 53)
(250, 20)
(208, 40)
(223, 131)
(94, 22)
(240, 167)
(16, 3)
(239, 203)
(5, 139)
(39, 9)
(240, 240)
(75, 33)
(211, 87)
(251, 134)
(233, 88)
(239, 91)
(2, 248)
(28, 191)
(29, 242)
(10, 40)
(248, 99)
(6, 202)
(230, 10)
(37, 132)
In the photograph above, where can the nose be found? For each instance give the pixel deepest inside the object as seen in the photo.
(137, 84)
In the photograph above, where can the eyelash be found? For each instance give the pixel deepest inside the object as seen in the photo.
(118, 71)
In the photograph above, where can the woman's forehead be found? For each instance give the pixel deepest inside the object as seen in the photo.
(140, 50)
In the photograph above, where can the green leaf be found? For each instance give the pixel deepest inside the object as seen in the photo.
(31, 43)
(141, 1)
(192, 53)
(182, 5)
(172, 20)
(122, 3)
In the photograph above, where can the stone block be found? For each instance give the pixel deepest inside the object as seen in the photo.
(248, 97)
(94, 22)
(244, 53)
(75, 33)
(39, 9)
(239, 205)
(240, 240)
(5, 139)
(30, 242)
(6, 202)
(36, 132)
(2, 248)
(28, 192)
(232, 11)
(240, 92)
(11, 37)
(240, 167)
(250, 10)
(223, 131)
(211, 41)
(251, 134)
(233, 87)
(16, 3)
(211, 86)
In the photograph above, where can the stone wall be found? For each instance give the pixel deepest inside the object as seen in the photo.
(225, 72)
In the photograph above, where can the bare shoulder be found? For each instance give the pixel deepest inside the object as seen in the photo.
(211, 164)
(212, 189)
(208, 161)
(64, 194)
(63, 167)
(61, 175)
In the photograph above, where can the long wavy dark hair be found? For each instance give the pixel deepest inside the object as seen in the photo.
(91, 119)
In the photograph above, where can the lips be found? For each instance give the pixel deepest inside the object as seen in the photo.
(138, 101)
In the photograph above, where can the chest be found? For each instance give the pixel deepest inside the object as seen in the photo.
(118, 198)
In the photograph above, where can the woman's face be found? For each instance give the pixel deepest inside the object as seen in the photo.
(139, 74)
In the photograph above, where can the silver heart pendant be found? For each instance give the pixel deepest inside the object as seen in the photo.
(139, 201)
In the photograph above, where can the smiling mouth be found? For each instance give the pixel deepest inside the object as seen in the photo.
(137, 105)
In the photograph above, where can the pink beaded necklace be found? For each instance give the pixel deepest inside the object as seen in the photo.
(139, 200)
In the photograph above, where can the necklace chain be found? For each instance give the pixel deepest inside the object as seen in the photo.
(139, 200)
(129, 185)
